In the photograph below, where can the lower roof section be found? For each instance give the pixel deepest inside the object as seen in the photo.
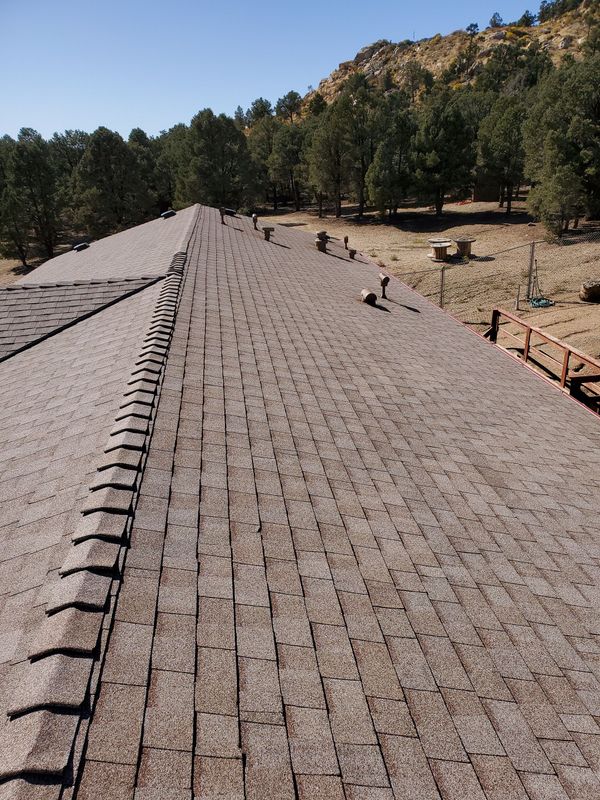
(143, 250)
(364, 559)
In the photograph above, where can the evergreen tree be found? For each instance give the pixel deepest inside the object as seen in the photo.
(560, 195)
(289, 106)
(260, 144)
(362, 132)
(260, 108)
(445, 152)
(33, 187)
(109, 191)
(15, 225)
(217, 171)
(563, 128)
(285, 161)
(15, 231)
(415, 78)
(316, 104)
(328, 156)
(171, 163)
(145, 152)
(390, 175)
(501, 154)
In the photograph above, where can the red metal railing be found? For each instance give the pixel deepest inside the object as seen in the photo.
(559, 368)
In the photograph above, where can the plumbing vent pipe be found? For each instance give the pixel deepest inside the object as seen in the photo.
(368, 297)
(352, 253)
(267, 232)
(345, 242)
(383, 280)
(222, 213)
(255, 221)
(321, 244)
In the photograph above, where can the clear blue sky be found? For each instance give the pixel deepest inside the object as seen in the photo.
(85, 63)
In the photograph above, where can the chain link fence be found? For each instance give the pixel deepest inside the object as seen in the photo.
(470, 288)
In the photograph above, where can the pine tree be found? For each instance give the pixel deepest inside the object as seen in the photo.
(390, 175)
(289, 106)
(444, 145)
(285, 161)
(108, 186)
(32, 179)
(328, 156)
(501, 154)
(217, 169)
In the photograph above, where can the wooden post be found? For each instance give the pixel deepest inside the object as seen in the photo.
(565, 368)
(495, 326)
(527, 341)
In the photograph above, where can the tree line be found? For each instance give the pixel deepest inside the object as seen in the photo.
(405, 138)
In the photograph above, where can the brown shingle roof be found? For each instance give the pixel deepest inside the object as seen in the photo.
(362, 561)
(31, 312)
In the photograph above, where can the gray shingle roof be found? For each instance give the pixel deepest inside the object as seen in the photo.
(352, 553)
(143, 250)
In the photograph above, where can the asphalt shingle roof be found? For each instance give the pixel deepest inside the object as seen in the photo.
(330, 551)
(31, 312)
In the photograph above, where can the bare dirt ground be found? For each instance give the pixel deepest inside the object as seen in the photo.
(11, 270)
(492, 277)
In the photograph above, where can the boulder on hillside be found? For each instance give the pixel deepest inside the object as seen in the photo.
(590, 291)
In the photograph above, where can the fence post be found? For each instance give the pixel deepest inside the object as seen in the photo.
(531, 270)
(442, 281)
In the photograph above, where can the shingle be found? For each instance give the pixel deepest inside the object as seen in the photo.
(393, 521)
(56, 681)
(311, 743)
(116, 728)
(70, 631)
(348, 711)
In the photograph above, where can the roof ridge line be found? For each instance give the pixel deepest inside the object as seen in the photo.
(14, 287)
(45, 715)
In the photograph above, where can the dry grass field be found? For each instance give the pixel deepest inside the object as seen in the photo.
(492, 277)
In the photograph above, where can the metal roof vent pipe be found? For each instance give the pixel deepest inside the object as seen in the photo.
(80, 246)
(222, 213)
(267, 232)
(167, 214)
(383, 280)
(255, 221)
(345, 242)
(352, 254)
(369, 297)
(321, 241)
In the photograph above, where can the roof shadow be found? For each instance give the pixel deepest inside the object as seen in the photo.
(408, 308)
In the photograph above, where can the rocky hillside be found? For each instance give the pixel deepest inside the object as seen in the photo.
(559, 36)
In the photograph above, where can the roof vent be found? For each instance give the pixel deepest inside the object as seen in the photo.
(80, 246)
(368, 297)
(167, 214)
(383, 280)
